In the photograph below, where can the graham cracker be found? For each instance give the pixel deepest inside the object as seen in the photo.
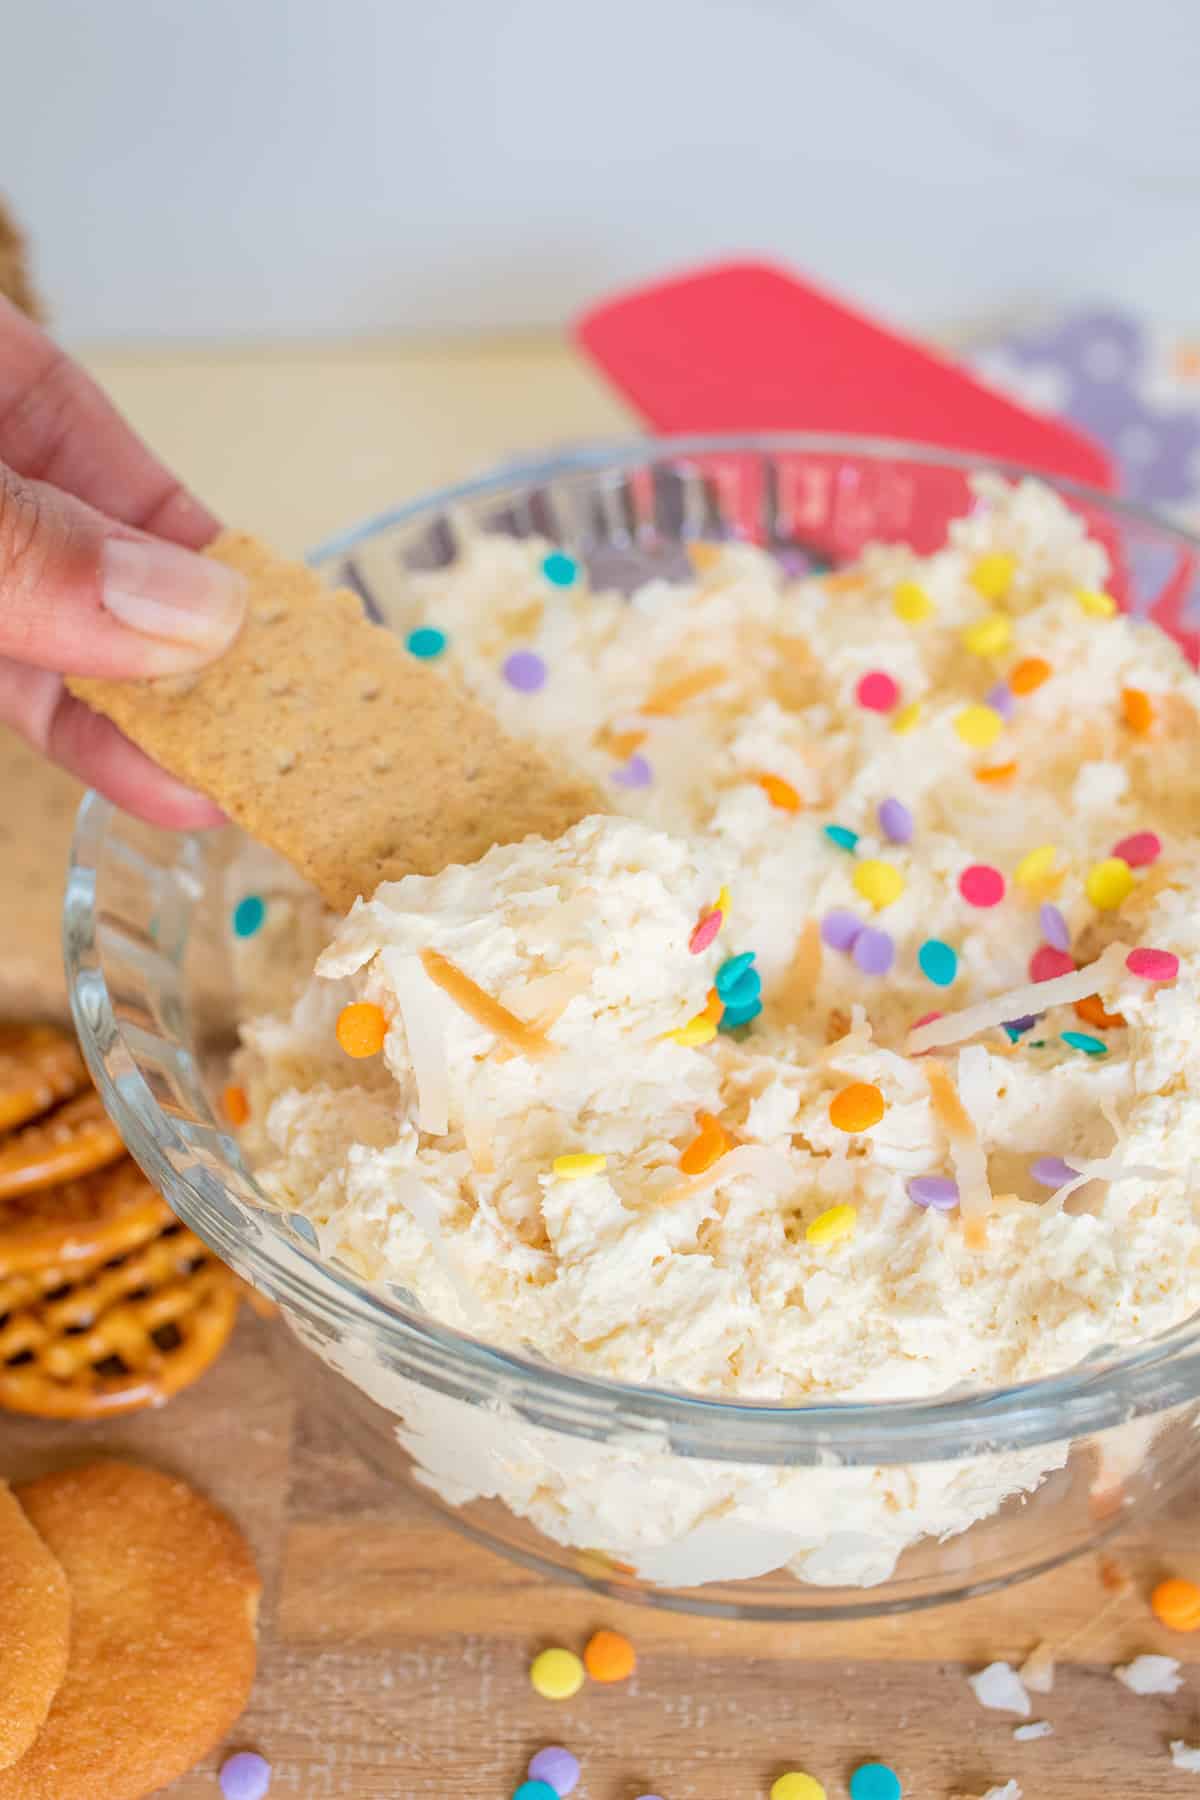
(323, 738)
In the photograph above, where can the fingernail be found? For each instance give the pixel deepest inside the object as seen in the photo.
(174, 595)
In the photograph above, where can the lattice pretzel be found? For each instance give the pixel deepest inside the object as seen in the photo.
(59, 1146)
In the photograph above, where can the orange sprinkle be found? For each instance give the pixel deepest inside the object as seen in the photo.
(1176, 1603)
(857, 1107)
(674, 694)
(1029, 675)
(842, 581)
(703, 555)
(361, 1028)
(479, 1005)
(1138, 709)
(711, 1142)
(714, 1006)
(609, 1656)
(779, 792)
(1092, 1010)
(621, 744)
(237, 1107)
(996, 773)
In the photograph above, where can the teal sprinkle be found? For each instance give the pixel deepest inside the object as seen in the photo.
(939, 963)
(1011, 1033)
(731, 972)
(734, 1017)
(842, 836)
(248, 915)
(560, 568)
(1079, 1040)
(744, 991)
(426, 642)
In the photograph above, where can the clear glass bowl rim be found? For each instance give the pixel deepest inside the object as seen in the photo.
(1149, 1378)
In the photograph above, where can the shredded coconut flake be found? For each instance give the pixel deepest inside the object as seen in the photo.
(1025, 1734)
(1151, 1675)
(483, 1007)
(424, 1031)
(1000, 1688)
(1018, 1003)
(1037, 1671)
(966, 1153)
(746, 1159)
(1185, 1756)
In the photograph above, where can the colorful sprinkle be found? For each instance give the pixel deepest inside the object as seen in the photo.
(780, 793)
(978, 726)
(535, 1790)
(557, 1768)
(1138, 710)
(796, 1785)
(1139, 850)
(989, 636)
(697, 1031)
(1047, 963)
(560, 569)
(245, 1776)
(577, 1165)
(936, 1191)
(996, 774)
(711, 1142)
(875, 1781)
(857, 1107)
(556, 1674)
(879, 882)
(895, 820)
(992, 575)
(235, 1104)
(1109, 883)
(1052, 1172)
(361, 1028)
(1091, 1010)
(525, 671)
(877, 691)
(425, 642)
(840, 929)
(938, 962)
(1029, 675)
(907, 718)
(1175, 1603)
(911, 603)
(609, 1656)
(731, 972)
(1080, 1040)
(734, 1017)
(636, 773)
(1153, 965)
(704, 555)
(705, 932)
(248, 915)
(1000, 698)
(842, 836)
(1018, 1027)
(714, 1006)
(1096, 604)
(1036, 866)
(981, 885)
(746, 992)
(1055, 929)
(834, 1224)
(874, 951)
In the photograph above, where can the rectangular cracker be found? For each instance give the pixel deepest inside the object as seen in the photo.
(322, 737)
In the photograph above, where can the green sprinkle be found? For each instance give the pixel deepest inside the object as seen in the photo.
(1091, 1046)
(426, 642)
(1037, 1043)
(842, 836)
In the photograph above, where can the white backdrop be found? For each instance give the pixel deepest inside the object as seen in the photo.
(203, 168)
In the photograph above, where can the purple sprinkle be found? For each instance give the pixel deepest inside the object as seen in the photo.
(895, 821)
(1052, 1172)
(525, 671)
(874, 951)
(245, 1776)
(937, 1191)
(636, 773)
(1000, 699)
(1026, 1022)
(1055, 929)
(557, 1768)
(840, 929)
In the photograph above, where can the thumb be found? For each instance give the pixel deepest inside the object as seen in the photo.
(83, 595)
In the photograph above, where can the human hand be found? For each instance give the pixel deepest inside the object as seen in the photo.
(88, 586)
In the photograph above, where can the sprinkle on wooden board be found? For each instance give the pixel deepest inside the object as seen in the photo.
(481, 1006)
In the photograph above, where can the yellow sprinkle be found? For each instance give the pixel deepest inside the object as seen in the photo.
(992, 575)
(989, 636)
(1096, 604)
(578, 1164)
(556, 1674)
(911, 603)
(700, 1030)
(1109, 883)
(978, 726)
(723, 903)
(1035, 865)
(904, 720)
(835, 1223)
(877, 881)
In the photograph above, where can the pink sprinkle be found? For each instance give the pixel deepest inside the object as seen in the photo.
(981, 885)
(1046, 963)
(1142, 848)
(1153, 965)
(704, 933)
(877, 691)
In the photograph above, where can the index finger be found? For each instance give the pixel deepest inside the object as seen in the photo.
(57, 426)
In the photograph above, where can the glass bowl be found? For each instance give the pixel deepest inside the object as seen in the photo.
(711, 1506)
